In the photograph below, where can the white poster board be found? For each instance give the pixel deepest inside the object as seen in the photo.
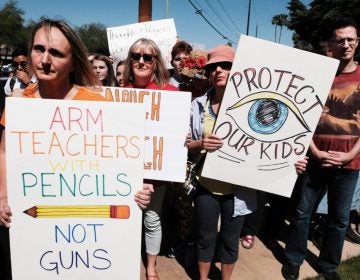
(271, 106)
(167, 118)
(73, 168)
(162, 32)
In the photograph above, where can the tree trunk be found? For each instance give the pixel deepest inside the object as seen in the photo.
(280, 33)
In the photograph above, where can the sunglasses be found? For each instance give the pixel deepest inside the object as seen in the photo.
(23, 64)
(223, 65)
(148, 58)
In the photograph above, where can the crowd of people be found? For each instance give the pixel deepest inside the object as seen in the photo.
(216, 218)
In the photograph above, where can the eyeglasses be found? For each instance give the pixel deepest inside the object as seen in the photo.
(23, 64)
(223, 65)
(148, 58)
(342, 41)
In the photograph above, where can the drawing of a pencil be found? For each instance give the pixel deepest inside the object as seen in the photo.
(79, 211)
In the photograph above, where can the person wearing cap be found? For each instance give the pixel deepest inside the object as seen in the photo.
(215, 198)
(193, 74)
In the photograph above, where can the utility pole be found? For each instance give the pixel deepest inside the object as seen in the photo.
(248, 18)
(166, 8)
(145, 10)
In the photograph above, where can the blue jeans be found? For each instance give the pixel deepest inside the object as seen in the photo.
(341, 184)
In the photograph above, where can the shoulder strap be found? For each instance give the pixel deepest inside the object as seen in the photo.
(12, 83)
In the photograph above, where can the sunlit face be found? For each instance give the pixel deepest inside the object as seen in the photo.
(120, 74)
(344, 43)
(219, 73)
(51, 56)
(100, 69)
(142, 69)
(178, 61)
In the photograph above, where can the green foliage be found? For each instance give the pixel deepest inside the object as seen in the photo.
(312, 24)
(95, 38)
(15, 32)
(11, 26)
(349, 270)
(279, 20)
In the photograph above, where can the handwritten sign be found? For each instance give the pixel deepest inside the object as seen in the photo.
(271, 106)
(167, 117)
(72, 170)
(162, 32)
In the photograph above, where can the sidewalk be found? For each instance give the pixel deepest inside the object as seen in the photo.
(257, 263)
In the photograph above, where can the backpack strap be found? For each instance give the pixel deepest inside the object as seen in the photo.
(12, 83)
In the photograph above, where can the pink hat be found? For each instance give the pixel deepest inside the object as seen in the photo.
(222, 53)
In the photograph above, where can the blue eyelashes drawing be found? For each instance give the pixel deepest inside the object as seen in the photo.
(266, 115)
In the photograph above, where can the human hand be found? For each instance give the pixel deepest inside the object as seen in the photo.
(143, 197)
(23, 76)
(5, 213)
(325, 158)
(211, 143)
(188, 139)
(340, 158)
(300, 165)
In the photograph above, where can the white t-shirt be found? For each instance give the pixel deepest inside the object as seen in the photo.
(17, 85)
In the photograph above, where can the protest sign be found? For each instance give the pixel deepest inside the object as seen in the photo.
(271, 106)
(162, 32)
(73, 168)
(167, 117)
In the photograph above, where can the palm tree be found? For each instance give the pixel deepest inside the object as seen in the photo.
(283, 21)
(279, 20)
(275, 21)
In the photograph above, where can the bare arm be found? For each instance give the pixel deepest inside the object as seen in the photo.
(334, 158)
(5, 212)
(344, 157)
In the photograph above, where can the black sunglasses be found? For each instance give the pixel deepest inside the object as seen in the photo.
(146, 57)
(23, 64)
(224, 65)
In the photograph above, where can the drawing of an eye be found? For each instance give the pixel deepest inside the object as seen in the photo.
(267, 116)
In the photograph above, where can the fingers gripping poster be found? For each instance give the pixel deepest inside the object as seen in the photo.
(271, 106)
(73, 168)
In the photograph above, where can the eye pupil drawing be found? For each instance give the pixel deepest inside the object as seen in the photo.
(267, 112)
(267, 116)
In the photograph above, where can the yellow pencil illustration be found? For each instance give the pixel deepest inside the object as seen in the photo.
(79, 211)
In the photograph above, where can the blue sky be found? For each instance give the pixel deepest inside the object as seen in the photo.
(229, 17)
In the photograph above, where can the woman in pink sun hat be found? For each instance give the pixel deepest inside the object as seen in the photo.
(215, 198)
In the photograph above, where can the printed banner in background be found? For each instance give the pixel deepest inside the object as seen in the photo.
(162, 32)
